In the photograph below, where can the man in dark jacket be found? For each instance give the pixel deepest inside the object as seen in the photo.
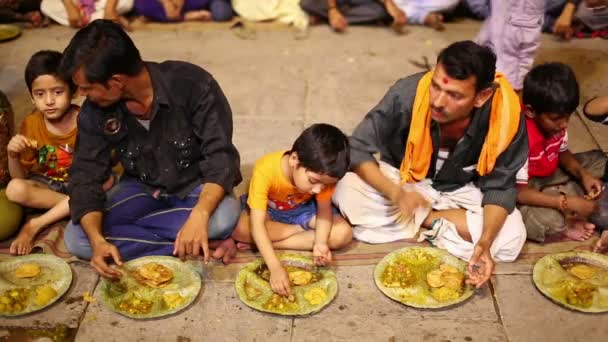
(171, 128)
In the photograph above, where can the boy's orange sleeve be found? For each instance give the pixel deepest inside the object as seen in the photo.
(325, 195)
(259, 187)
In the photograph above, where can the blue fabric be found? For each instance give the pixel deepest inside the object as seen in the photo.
(140, 224)
(300, 215)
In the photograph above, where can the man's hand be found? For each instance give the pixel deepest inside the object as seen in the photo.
(592, 185)
(103, 250)
(337, 20)
(408, 202)
(193, 237)
(279, 281)
(581, 206)
(321, 254)
(563, 26)
(399, 18)
(481, 265)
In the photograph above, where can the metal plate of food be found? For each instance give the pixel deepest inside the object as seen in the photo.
(312, 287)
(32, 282)
(575, 280)
(8, 32)
(152, 286)
(423, 277)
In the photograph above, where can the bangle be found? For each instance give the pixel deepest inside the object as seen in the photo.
(563, 202)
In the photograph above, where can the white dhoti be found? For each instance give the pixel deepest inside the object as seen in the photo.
(377, 220)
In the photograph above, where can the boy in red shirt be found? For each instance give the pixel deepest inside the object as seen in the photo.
(557, 188)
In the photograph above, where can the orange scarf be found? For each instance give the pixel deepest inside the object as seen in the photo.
(504, 123)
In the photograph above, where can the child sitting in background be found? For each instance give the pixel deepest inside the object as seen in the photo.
(513, 32)
(184, 10)
(553, 202)
(78, 13)
(41, 154)
(289, 201)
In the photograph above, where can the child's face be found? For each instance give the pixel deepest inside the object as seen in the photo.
(552, 123)
(311, 182)
(51, 96)
(307, 181)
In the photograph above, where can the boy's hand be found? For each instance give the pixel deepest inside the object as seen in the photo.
(321, 254)
(481, 266)
(17, 144)
(593, 186)
(581, 206)
(279, 281)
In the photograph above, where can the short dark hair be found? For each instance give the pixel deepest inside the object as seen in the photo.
(103, 49)
(46, 62)
(551, 88)
(464, 59)
(323, 149)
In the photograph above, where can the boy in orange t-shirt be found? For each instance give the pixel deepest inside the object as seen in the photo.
(41, 154)
(290, 195)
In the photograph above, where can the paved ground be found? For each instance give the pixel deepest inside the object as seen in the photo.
(277, 86)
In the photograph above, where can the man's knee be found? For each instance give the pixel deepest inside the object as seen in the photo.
(512, 237)
(17, 190)
(76, 241)
(225, 218)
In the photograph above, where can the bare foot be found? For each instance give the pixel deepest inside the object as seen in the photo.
(579, 230)
(242, 246)
(226, 250)
(435, 21)
(200, 15)
(23, 244)
(601, 246)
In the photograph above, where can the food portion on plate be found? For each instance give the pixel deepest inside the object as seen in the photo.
(153, 286)
(423, 277)
(576, 280)
(31, 283)
(312, 287)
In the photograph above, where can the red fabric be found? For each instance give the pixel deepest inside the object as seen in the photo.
(543, 157)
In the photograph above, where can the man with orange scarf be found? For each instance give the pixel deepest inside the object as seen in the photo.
(450, 143)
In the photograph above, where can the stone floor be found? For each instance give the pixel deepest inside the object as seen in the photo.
(278, 85)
